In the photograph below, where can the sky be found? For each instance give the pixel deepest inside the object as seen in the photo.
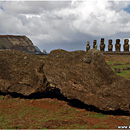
(66, 25)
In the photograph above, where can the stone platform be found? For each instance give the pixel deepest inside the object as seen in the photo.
(115, 53)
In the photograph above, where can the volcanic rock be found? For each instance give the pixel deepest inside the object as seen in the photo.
(75, 75)
(86, 77)
(21, 43)
(21, 73)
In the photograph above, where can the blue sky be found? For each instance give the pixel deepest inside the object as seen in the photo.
(1, 8)
(127, 9)
(66, 25)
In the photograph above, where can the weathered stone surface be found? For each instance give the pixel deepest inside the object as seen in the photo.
(75, 75)
(110, 46)
(117, 45)
(87, 77)
(94, 44)
(21, 73)
(126, 45)
(102, 45)
(88, 46)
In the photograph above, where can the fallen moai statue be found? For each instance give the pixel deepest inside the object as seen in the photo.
(75, 75)
(87, 77)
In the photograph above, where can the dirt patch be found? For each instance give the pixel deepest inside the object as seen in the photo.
(48, 113)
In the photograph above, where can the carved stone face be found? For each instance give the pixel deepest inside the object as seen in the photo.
(88, 43)
(94, 42)
(117, 41)
(126, 41)
(102, 40)
(110, 41)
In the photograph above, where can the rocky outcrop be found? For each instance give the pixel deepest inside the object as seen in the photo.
(75, 75)
(21, 73)
(21, 43)
(87, 77)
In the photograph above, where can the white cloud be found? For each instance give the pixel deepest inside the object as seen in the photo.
(99, 19)
(59, 23)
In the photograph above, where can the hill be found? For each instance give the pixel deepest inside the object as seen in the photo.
(21, 43)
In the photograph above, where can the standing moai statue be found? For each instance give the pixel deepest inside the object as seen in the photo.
(126, 45)
(110, 46)
(102, 45)
(95, 44)
(44, 51)
(117, 45)
(88, 46)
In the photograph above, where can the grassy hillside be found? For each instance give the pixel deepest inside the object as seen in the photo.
(122, 62)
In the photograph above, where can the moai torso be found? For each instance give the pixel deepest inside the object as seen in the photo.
(110, 46)
(95, 44)
(102, 45)
(117, 45)
(88, 46)
(126, 45)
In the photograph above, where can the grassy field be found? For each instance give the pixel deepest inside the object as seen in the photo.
(47, 113)
(122, 62)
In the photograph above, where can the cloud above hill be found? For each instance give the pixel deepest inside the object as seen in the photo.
(66, 25)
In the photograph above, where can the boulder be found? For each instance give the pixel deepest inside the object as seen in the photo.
(86, 77)
(21, 73)
(75, 75)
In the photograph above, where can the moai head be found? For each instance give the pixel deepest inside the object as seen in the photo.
(88, 43)
(102, 40)
(117, 41)
(110, 41)
(88, 46)
(94, 42)
(126, 41)
(44, 51)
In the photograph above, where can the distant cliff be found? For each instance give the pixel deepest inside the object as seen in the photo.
(21, 43)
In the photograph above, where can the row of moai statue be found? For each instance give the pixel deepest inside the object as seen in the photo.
(110, 46)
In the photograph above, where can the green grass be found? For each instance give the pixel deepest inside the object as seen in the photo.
(124, 73)
(113, 62)
(120, 66)
(98, 115)
(79, 126)
(33, 117)
(43, 56)
(99, 126)
(10, 116)
(1, 97)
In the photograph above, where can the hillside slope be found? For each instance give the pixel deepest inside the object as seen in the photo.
(13, 42)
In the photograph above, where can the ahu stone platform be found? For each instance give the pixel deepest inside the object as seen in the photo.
(115, 53)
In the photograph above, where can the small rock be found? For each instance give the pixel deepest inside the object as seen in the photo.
(25, 57)
(117, 70)
(7, 96)
(87, 60)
